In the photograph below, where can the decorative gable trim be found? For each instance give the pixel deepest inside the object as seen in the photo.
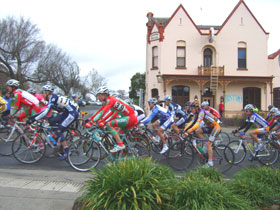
(233, 11)
(181, 7)
(274, 55)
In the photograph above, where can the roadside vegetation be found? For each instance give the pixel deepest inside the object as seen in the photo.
(145, 184)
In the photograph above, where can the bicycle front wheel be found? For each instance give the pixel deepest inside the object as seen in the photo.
(223, 159)
(180, 156)
(269, 154)
(27, 151)
(222, 138)
(84, 154)
(239, 150)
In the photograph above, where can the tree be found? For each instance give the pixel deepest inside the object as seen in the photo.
(58, 68)
(137, 82)
(91, 82)
(20, 49)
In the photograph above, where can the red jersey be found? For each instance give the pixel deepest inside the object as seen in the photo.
(214, 112)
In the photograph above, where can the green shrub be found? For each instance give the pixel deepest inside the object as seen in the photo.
(260, 185)
(200, 193)
(130, 184)
(211, 173)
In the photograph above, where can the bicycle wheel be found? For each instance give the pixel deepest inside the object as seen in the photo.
(83, 158)
(223, 159)
(26, 151)
(180, 156)
(6, 142)
(222, 138)
(239, 150)
(144, 141)
(71, 135)
(269, 154)
(140, 149)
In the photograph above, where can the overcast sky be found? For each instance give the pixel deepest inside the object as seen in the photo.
(110, 35)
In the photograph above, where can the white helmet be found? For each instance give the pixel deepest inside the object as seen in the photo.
(152, 101)
(277, 114)
(204, 103)
(47, 88)
(101, 90)
(249, 107)
(274, 110)
(128, 101)
(31, 90)
(13, 82)
(167, 98)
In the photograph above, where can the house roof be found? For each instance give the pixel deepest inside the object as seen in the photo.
(274, 55)
(165, 21)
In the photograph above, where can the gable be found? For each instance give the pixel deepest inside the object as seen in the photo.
(242, 7)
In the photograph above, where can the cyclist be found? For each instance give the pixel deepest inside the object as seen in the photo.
(202, 115)
(68, 112)
(125, 120)
(43, 103)
(139, 112)
(205, 105)
(253, 118)
(272, 118)
(269, 113)
(275, 127)
(177, 113)
(22, 99)
(162, 121)
(3, 105)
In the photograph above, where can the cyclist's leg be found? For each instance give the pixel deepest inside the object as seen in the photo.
(216, 130)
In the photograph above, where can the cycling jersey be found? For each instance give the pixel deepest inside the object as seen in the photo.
(214, 112)
(126, 119)
(257, 120)
(159, 111)
(27, 100)
(139, 112)
(3, 105)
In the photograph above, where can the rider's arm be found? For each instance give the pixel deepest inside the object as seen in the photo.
(104, 109)
(93, 116)
(44, 112)
(246, 125)
(151, 116)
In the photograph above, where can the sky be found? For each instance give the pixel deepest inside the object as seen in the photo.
(110, 35)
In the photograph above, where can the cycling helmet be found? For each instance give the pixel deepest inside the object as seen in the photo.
(13, 82)
(194, 104)
(47, 88)
(128, 101)
(152, 101)
(270, 107)
(274, 110)
(277, 114)
(101, 90)
(249, 107)
(74, 96)
(188, 103)
(31, 90)
(204, 103)
(167, 98)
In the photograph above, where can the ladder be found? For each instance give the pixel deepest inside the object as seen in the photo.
(214, 80)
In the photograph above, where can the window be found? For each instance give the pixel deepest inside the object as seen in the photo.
(181, 54)
(242, 58)
(155, 57)
(180, 94)
(154, 92)
(276, 97)
(207, 57)
(252, 95)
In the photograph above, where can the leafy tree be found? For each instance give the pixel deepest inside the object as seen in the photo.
(137, 82)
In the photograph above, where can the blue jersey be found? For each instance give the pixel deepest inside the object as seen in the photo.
(176, 109)
(257, 120)
(159, 111)
(8, 102)
(59, 103)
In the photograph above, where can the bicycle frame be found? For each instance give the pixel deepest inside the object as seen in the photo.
(97, 133)
(15, 126)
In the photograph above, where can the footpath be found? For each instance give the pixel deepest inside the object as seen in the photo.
(39, 189)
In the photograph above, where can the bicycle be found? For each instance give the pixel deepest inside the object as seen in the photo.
(30, 149)
(10, 131)
(182, 154)
(82, 159)
(267, 156)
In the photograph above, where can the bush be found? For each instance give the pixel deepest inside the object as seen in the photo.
(131, 184)
(210, 173)
(201, 193)
(261, 185)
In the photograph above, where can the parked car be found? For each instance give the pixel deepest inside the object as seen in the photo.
(98, 103)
